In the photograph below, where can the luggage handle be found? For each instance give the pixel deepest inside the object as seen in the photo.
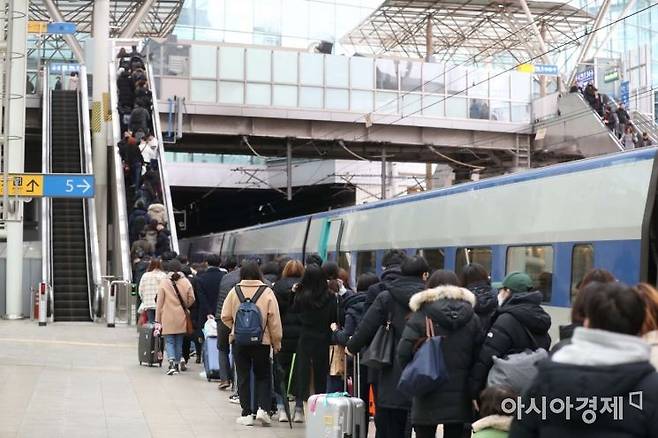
(356, 375)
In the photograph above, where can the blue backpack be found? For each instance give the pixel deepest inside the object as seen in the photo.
(248, 329)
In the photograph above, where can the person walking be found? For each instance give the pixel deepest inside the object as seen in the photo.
(317, 309)
(148, 288)
(255, 356)
(229, 280)
(391, 307)
(519, 323)
(451, 311)
(74, 82)
(206, 284)
(628, 138)
(175, 297)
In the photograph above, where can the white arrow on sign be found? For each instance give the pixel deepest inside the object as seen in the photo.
(86, 186)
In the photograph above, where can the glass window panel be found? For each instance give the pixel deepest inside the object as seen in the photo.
(231, 63)
(456, 79)
(285, 67)
(344, 260)
(434, 80)
(433, 105)
(284, 95)
(410, 75)
(203, 61)
(361, 101)
(478, 83)
(259, 65)
(203, 91)
(386, 103)
(478, 109)
(336, 71)
(411, 104)
(258, 94)
(322, 21)
(481, 255)
(582, 261)
(176, 60)
(500, 88)
(520, 112)
(311, 66)
(456, 107)
(337, 99)
(387, 74)
(361, 73)
(500, 111)
(295, 20)
(267, 18)
(522, 86)
(537, 262)
(240, 16)
(310, 97)
(365, 262)
(435, 257)
(231, 92)
(173, 87)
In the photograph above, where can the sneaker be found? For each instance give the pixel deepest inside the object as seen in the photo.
(298, 416)
(223, 385)
(183, 365)
(263, 417)
(235, 399)
(176, 369)
(172, 368)
(198, 359)
(283, 417)
(247, 420)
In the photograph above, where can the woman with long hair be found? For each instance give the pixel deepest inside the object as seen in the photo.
(148, 288)
(317, 310)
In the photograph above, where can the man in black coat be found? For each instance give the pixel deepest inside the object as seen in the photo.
(391, 263)
(451, 310)
(227, 283)
(391, 418)
(603, 379)
(519, 323)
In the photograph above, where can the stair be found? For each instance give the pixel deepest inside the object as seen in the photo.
(70, 269)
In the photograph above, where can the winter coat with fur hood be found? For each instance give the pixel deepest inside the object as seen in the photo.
(451, 310)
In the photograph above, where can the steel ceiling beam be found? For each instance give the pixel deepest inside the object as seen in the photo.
(590, 39)
(136, 20)
(71, 40)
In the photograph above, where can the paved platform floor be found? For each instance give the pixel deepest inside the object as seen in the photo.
(83, 380)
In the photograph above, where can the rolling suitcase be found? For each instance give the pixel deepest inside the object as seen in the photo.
(211, 358)
(336, 415)
(149, 347)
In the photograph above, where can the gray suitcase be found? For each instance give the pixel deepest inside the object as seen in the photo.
(336, 415)
(149, 347)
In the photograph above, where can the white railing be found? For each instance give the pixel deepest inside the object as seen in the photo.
(46, 213)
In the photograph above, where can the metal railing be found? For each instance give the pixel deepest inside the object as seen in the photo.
(93, 250)
(166, 191)
(46, 205)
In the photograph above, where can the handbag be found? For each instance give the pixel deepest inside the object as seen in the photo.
(189, 326)
(379, 354)
(337, 352)
(427, 370)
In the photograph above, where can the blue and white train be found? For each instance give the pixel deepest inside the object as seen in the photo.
(555, 222)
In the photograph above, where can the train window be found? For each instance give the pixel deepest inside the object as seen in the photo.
(344, 260)
(435, 257)
(582, 261)
(365, 262)
(537, 262)
(481, 255)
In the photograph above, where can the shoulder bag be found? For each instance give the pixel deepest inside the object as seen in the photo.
(189, 326)
(379, 354)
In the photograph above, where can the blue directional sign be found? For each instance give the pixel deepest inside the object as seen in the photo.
(68, 186)
(624, 93)
(546, 69)
(61, 28)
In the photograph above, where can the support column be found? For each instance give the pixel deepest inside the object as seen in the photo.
(383, 195)
(429, 41)
(543, 80)
(101, 44)
(289, 169)
(15, 156)
(428, 176)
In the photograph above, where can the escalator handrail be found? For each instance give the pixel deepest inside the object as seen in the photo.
(166, 190)
(46, 205)
(90, 203)
(119, 184)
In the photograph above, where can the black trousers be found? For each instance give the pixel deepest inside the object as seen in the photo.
(225, 371)
(451, 430)
(312, 360)
(393, 423)
(197, 338)
(256, 358)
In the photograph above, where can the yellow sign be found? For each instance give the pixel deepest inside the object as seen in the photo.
(23, 184)
(37, 26)
(526, 68)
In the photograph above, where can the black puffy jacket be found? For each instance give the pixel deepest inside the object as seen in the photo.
(353, 306)
(451, 310)
(391, 273)
(126, 90)
(521, 313)
(292, 325)
(394, 301)
(486, 302)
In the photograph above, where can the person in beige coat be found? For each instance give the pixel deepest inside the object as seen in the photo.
(170, 312)
(256, 357)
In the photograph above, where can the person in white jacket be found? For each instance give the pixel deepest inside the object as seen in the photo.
(149, 149)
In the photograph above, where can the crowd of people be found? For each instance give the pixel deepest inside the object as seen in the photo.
(615, 117)
(311, 317)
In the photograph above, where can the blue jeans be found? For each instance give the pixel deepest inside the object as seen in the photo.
(174, 346)
(150, 315)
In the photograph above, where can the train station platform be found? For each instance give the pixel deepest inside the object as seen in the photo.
(82, 380)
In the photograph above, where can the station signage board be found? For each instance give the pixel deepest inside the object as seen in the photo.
(538, 69)
(38, 185)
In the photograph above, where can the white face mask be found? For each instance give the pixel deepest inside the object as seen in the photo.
(502, 296)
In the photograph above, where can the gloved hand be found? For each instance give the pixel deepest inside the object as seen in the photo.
(157, 329)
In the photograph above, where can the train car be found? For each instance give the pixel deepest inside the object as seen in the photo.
(555, 223)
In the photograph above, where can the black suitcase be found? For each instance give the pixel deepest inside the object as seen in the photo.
(149, 346)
